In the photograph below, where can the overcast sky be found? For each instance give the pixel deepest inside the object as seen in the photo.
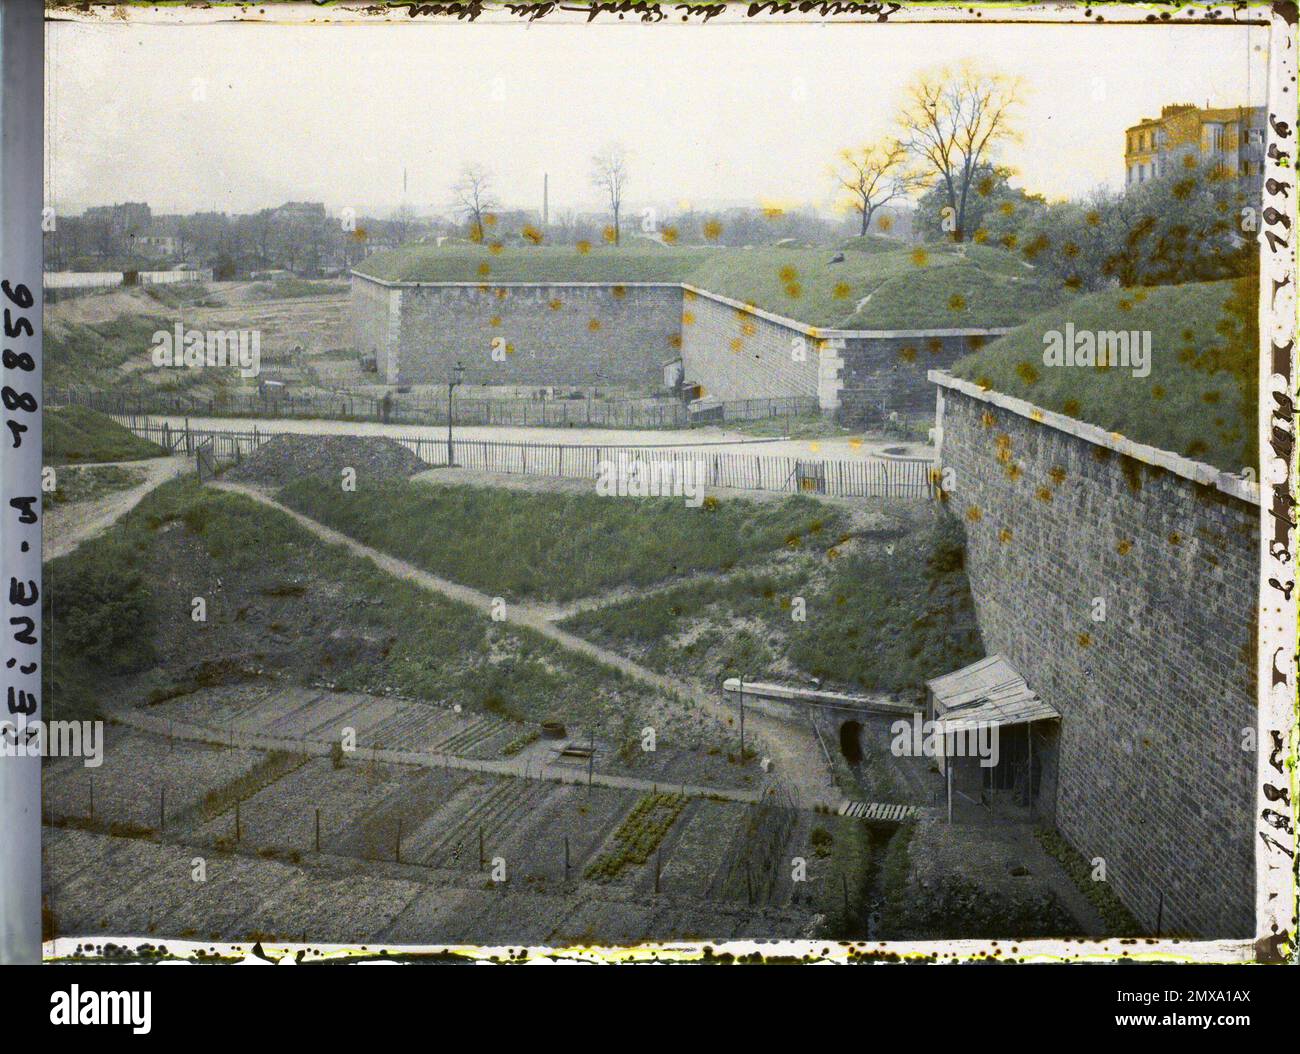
(239, 117)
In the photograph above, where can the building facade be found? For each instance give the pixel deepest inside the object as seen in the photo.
(1230, 139)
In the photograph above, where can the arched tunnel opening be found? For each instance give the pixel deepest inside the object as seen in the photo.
(851, 741)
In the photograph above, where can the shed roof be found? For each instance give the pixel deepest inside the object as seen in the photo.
(988, 692)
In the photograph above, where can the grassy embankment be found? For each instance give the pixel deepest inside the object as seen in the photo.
(1199, 398)
(285, 606)
(940, 286)
(551, 546)
(875, 621)
(74, 434)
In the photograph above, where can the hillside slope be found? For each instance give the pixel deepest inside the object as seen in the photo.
(1200, 396)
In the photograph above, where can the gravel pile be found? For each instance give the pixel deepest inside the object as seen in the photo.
(289, 457)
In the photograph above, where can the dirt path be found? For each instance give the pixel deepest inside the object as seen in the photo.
(795, 753)
(64, 527)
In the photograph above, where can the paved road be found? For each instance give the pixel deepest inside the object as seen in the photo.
(794, 750)
(715, 440)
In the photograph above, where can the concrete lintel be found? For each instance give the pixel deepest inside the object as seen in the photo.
(1196, 471)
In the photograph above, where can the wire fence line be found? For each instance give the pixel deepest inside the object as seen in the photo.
(425, 410)
(908, 478)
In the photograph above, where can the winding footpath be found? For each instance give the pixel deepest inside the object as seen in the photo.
(795, 753)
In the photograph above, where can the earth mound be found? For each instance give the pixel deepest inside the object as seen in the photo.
(289, 457)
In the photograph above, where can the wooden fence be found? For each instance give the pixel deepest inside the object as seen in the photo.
(864, 478)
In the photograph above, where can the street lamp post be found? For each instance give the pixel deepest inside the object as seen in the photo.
(457, 376)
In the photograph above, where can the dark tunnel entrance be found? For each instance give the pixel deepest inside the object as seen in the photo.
(851, 741)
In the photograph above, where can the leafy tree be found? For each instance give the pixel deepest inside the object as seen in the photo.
(953, 120)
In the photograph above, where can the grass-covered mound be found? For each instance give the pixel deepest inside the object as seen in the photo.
(968, 294)
(808, 285)
(872, 243)
(1199, 399)
(285, 606)
(558, 546)
(75, 434)
(540, 263)
(883, 618)
(92, 353)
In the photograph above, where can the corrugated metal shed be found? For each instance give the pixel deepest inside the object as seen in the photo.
(988, 692)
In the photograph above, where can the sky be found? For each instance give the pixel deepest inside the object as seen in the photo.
(239, 117)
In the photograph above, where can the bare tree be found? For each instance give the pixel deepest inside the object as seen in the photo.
(474, 198)
(952, 120)
(609, 173)
(872, 176)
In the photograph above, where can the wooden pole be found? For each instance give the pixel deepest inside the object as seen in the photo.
(947, 764)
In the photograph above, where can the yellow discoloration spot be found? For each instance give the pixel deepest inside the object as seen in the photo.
(1123, 547)
(501, 293)
(484, 269)
(956, 302)
(980, 236)
(907, 354)
(1084, 640)
(619, 292)
(583, 247)
(1175, 538)
(787, 274)
(556, 305)
(489, 219)
(1004, 535)
(688, 295)
(688, 318)
(1013, 472)
(855, 443)
(987, 419)
(594, 325)
(531, 234)
(675, 340)
(841, 291)
(973, 514)
(712, 230)
(793, 290)
(814, 447)
(748, 329)
(920, 257)
(610, 235)
(1036, 415)
(495, 321)
(496, 248)
(1057, 473)
(737, 344)
(1043, 494)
